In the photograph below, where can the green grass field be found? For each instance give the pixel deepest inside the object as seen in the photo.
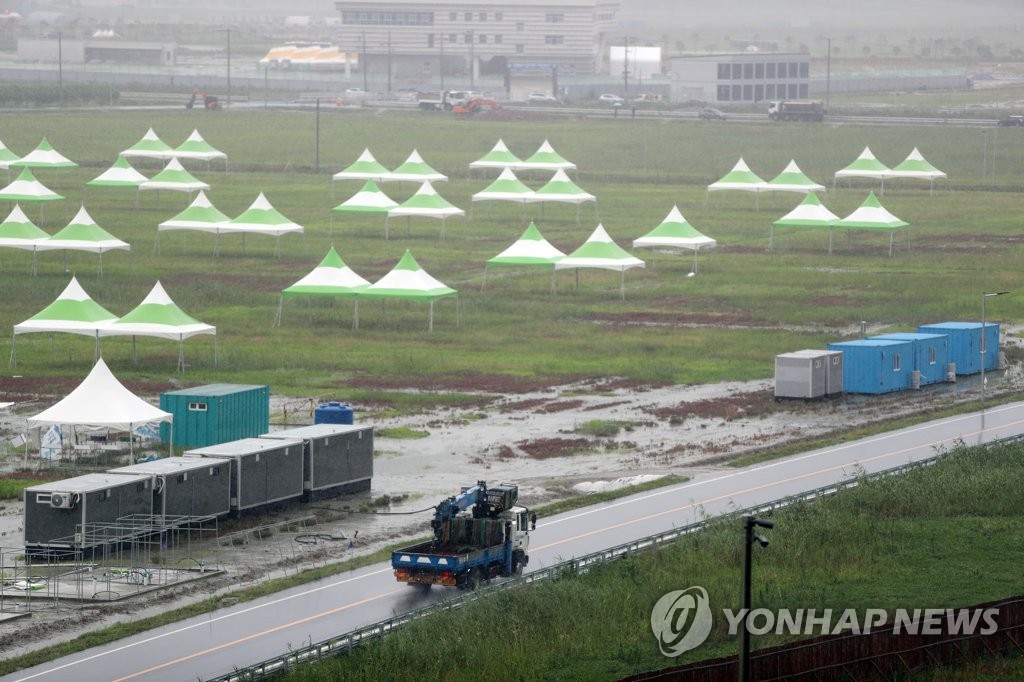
(745, 305)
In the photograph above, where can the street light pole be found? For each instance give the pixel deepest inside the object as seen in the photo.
(984, 345)
(472, 58)
(389, 61)
(749, 538)
(441, 65)
(625, 66)
(364, 65)
(828, 74)
(60, 69)
(227, 32)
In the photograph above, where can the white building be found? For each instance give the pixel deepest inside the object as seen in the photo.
(741, 78)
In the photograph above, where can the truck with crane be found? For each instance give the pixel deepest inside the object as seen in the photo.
(796, 110)
(446, 99)
(479, 534)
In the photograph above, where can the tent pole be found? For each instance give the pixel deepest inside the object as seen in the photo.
(430, 324)
(622, 284)
(135, 356)
(215, 350)
(280, 306)
(355, 316)
(386, 219)
(890, 244)
(458, 312)
(14, 352)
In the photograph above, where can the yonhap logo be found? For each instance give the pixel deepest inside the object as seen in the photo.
(681, 620)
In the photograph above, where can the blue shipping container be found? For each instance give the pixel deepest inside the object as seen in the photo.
(965, 344)
(214, 414)
(875, 366)
(931, 354)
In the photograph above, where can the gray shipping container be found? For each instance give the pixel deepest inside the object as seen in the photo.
(55, 512)
(186, 486)
(263, 470)
(808, 374)
(337, 459)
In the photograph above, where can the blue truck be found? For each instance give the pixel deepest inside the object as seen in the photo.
(479, 534)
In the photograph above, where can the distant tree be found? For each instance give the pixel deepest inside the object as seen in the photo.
(985, 52)
(866, 50)
(957, 51)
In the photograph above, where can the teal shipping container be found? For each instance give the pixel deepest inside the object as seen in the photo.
(215, 414)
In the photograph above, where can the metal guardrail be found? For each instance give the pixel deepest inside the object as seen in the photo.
(346, 642)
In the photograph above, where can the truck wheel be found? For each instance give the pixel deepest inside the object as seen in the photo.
(475, 579)
(518, 560)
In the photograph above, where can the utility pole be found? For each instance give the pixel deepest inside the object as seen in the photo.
(625, 66)
(441, 65)
(749, 538)
(389, 61)
(363, 64)
(828, 74)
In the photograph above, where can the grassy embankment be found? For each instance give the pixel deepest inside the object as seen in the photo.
(939, 537)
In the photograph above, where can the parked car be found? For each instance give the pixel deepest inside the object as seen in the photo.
(540, 97)
(1012, 121)
(609, 98)
(710, 114)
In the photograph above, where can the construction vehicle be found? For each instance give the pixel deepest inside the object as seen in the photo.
(446, 99)
(796, 110)
(479, 534)
(474, 105)
(209, 101)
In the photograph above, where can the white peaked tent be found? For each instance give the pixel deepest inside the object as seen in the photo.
(742, 179)
(149, 147)
(26, 189)
(121, 174)
(530, 250)
(499, 157)
(809, 213)
(174, 178)
(370, 200)
(916, 167)
(872, 216)
(415, 169)
(507, 187)
(865, 166)
(366, 167)
(44, 156)
(83, 234)
(102, 400)
(331, 278)
(160, 317)
(72, 312)
(601, 252)
(18, 232)
(201, 216)
(426, 203)
(407, 280)
(792, 179)
(262, 218)
(561, 189)
(195, 147)
(545, 159)
(675, 233)
(6, 157)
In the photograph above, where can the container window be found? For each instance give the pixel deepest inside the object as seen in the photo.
(835, 359)
(107, 494)
(182, 477)
(215, 471)
(42, 498)
(931, 355)
(817, 364)
(197, 407)
(895, 362)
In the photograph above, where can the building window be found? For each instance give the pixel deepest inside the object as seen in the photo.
(794, 92)
(737, 93)
(453, 16)
(497, 39)
(467, 38)
(554, 17)
(390, 18)
(426, 69)
(453, 37)
(737, 71)
(483, 38)
(803, 91)
(723, 72)
(805, 69)
(554, 40)
(723, 93)
(748, 71)
(748, 93)
(794, 69)
(770, 70)
(468, 16)
(783, 70)
(520, 49)
(931, 355)
(520, 26)
(758, 93)
(769, 91)
(895, 362)
(498, 16)
(483, 16)
(197, 407)
(759, 70)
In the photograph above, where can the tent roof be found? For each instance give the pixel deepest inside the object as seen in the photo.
(6, 156)
(364, 168)
(174, 177)
(498, 157)
(674, 231)
(599, 251)
(73, 311)
(195, 147)
(331, 278)
(121, 174)
(530, 249)
(26, 188)
(871, 216)
(157, 316)
(792, 179)
(808, 213)
(149, 147)
(507, 187)
(83, 234)
(916, 166)
(17, 231)
(561, 188)
(44, 156)
(741, 178)
(415, 169)
(200, 215)
(408, 280)
(865, 166)
(546, 158)
(426, 202)
(102, 400)
(369, 199)
(263, 218)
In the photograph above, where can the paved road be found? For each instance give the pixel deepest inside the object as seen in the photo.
(214, 644)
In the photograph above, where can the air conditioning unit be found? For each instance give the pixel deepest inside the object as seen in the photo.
(62, 500)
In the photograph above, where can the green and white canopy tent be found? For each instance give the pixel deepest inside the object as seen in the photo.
(149, 147)
(507, 187)
(560, 189)
(195, 147)
(530, 250)
(545, 159)
(792, 179)
(160, 317)
(18, 232)
(809, 213)
(174, 178)
(366, 167)
(369, 200)
(44, 156)
(871, 215)
(499, 157)
(26, 189)
(6, 156)
(865, 166)
(121, 175)
(201, 216)
(331, 278)
(83, 234)
(426, 203)
(742, 179)
(601, 252)
(72, 312)
(414, 169)
(262, 218)
(675, 233)
(916, 167)
(407, 280)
